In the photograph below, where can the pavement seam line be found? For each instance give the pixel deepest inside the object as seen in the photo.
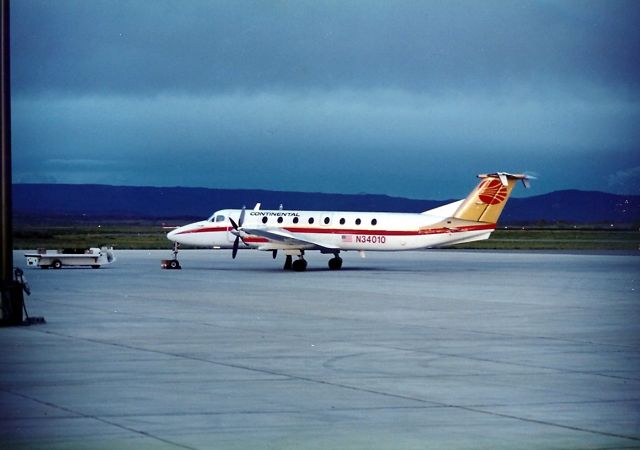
(346, 386)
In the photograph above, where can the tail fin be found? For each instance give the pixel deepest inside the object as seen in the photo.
(486, 202)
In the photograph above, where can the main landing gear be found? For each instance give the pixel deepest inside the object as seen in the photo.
(300, 264)
(335, 263)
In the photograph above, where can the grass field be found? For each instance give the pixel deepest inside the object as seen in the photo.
(79, 236)
(135, 236)
(555, 239)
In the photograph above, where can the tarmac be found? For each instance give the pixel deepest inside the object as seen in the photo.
(439, 349)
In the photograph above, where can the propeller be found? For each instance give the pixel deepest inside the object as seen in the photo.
(236, 227)
(527, 177)
(504, 177)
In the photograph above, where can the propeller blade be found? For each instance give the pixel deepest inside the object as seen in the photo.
(527, 179)
(236, 243)
(236, 227)
(241, 221)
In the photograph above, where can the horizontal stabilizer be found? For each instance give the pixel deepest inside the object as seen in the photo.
(504, 178)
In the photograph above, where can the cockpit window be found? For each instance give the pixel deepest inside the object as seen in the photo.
(220, 218)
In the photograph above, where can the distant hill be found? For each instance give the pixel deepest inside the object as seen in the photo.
(151, 203)
(574, 207)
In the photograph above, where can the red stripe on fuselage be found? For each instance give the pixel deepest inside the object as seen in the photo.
(486, 226)
(223, 229)
(418, 232)
(422, 231)
(255, 240)
(205, 230)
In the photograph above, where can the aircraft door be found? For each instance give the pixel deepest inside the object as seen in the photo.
(230, 236)
(227, 223)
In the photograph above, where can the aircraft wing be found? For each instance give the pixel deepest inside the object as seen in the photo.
(288, 238)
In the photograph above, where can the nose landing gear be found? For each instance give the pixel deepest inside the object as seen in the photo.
(173, 264)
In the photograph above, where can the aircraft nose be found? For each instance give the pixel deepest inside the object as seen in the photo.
(172, 235)
(184, 234)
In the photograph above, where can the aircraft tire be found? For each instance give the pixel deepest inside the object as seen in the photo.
(335, 263)
(299, 265)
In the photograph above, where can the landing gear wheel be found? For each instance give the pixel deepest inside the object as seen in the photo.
(288, 263)
(172, 263)
(299, 265)
(335, 263)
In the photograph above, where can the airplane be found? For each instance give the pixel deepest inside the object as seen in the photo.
(331, 232)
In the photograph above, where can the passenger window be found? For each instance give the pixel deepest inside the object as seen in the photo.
(264, 219)
(374, 221)
(295, 220)
(358, 221)
(326, 220)
(310, 220)
(342, 221)
(280, 219)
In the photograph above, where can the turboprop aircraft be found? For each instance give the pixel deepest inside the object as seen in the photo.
(295, 232)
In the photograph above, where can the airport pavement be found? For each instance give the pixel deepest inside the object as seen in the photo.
(443, 349)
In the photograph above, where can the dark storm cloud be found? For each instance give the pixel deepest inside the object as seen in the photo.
(403, 97)
(194, 46)
(383, 141)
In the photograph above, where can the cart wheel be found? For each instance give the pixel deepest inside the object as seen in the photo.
(174, 264)
(57, 264)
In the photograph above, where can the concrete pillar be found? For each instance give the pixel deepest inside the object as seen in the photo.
(7, 284)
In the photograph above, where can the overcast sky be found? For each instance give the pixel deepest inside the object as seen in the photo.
(409, 98)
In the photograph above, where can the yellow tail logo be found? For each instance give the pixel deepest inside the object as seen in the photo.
(487, 200)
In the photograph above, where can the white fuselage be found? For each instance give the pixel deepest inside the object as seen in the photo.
(331, 232)
(335, 230)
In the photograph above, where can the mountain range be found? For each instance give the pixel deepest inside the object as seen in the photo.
(170, 203)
